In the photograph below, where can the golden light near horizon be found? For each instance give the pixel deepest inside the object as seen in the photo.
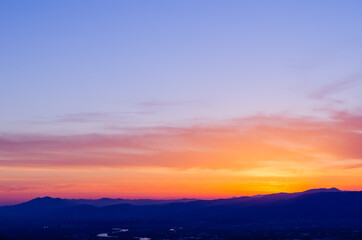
(164, 100)
(197, 162)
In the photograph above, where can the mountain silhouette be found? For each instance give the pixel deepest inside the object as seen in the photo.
(315, 204)
(111, 201)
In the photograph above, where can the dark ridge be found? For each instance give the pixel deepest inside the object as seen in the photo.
(321, 204)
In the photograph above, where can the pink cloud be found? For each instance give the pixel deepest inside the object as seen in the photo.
(336, 87)
(239, 144)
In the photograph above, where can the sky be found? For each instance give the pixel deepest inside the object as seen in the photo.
(172, 99)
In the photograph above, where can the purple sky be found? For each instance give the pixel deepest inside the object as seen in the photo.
(70, 69)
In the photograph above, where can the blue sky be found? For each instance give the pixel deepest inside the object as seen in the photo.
(169, 99)
(191, 59)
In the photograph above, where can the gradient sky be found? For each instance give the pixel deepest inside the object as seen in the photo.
(170, 99)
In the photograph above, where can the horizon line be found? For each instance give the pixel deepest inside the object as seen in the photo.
(176, 199)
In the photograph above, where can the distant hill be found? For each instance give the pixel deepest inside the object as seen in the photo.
(113, 201)
(316, 204)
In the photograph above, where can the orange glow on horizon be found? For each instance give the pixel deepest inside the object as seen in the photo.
(246, 157)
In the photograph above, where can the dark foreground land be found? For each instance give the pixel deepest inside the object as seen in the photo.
(314, 214)
(201, 231)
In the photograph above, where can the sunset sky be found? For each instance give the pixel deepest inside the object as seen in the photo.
(174, 99)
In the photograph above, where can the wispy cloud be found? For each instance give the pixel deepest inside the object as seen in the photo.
(337, 87)
(240, 144)
(91, 117)
(9, 189)
(163, 104)
(82, 117)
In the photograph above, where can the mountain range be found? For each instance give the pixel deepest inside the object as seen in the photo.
(315, 204)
